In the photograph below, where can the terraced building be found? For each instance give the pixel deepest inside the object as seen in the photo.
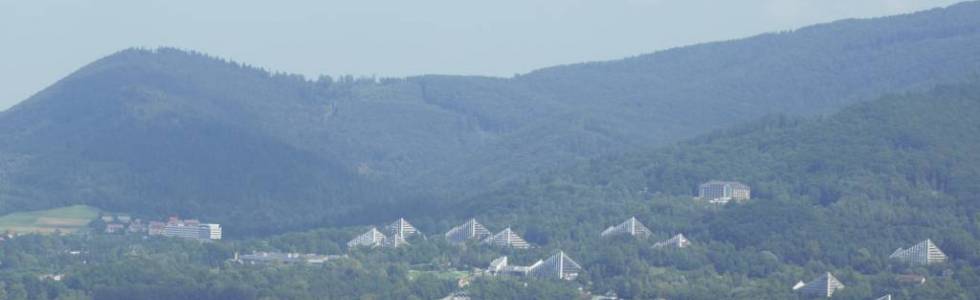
(631, 227)
(923, 253)
(471, 230)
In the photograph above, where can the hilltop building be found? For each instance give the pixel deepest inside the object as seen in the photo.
(507, 238)
(558, 266)
(191, 229)
(721, 192)
(471, 230)
(823, 286)
(631, 227)
(923, 253)
(678, 241)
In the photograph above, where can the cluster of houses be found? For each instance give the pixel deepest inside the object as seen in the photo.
(173, 227)
(121, 223)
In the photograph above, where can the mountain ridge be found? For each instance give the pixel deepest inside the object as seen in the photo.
(435, 137)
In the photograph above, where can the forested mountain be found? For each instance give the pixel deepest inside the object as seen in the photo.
(166, 131)
(835, 194)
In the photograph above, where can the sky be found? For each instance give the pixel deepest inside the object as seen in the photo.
(42, 41)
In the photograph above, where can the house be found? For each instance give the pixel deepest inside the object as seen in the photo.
(155, 228)
(114, 228)
(123, 218)
(136, 226)
(824, 286)
(923, 253)
(721, 192)
(631, 227)
(885, 297)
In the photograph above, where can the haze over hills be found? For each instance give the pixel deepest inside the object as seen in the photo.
(168, 131)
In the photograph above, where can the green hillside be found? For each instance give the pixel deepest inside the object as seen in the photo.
(835, 194)
(163, 132)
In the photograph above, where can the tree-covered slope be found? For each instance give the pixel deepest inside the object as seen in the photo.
(837, 194)
(167, 131)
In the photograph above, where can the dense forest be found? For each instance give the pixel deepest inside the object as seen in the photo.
(830, 194)
(170, 132)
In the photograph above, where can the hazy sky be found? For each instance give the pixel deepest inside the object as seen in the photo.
(42, 41)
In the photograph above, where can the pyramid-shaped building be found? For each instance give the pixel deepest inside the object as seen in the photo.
(393, 241)
(402, 228)
(372, 238)
(507, 238)
(923, 253)
(678, 241)
(631, 226)
(471, 230)
(824, 286)
(558, 266)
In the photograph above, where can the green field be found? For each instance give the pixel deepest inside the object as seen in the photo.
(443, 275)
(63, 219)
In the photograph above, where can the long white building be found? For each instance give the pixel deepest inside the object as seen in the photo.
(192, 230)
(923, 253)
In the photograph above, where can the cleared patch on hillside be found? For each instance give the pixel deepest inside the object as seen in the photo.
(64, 219)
